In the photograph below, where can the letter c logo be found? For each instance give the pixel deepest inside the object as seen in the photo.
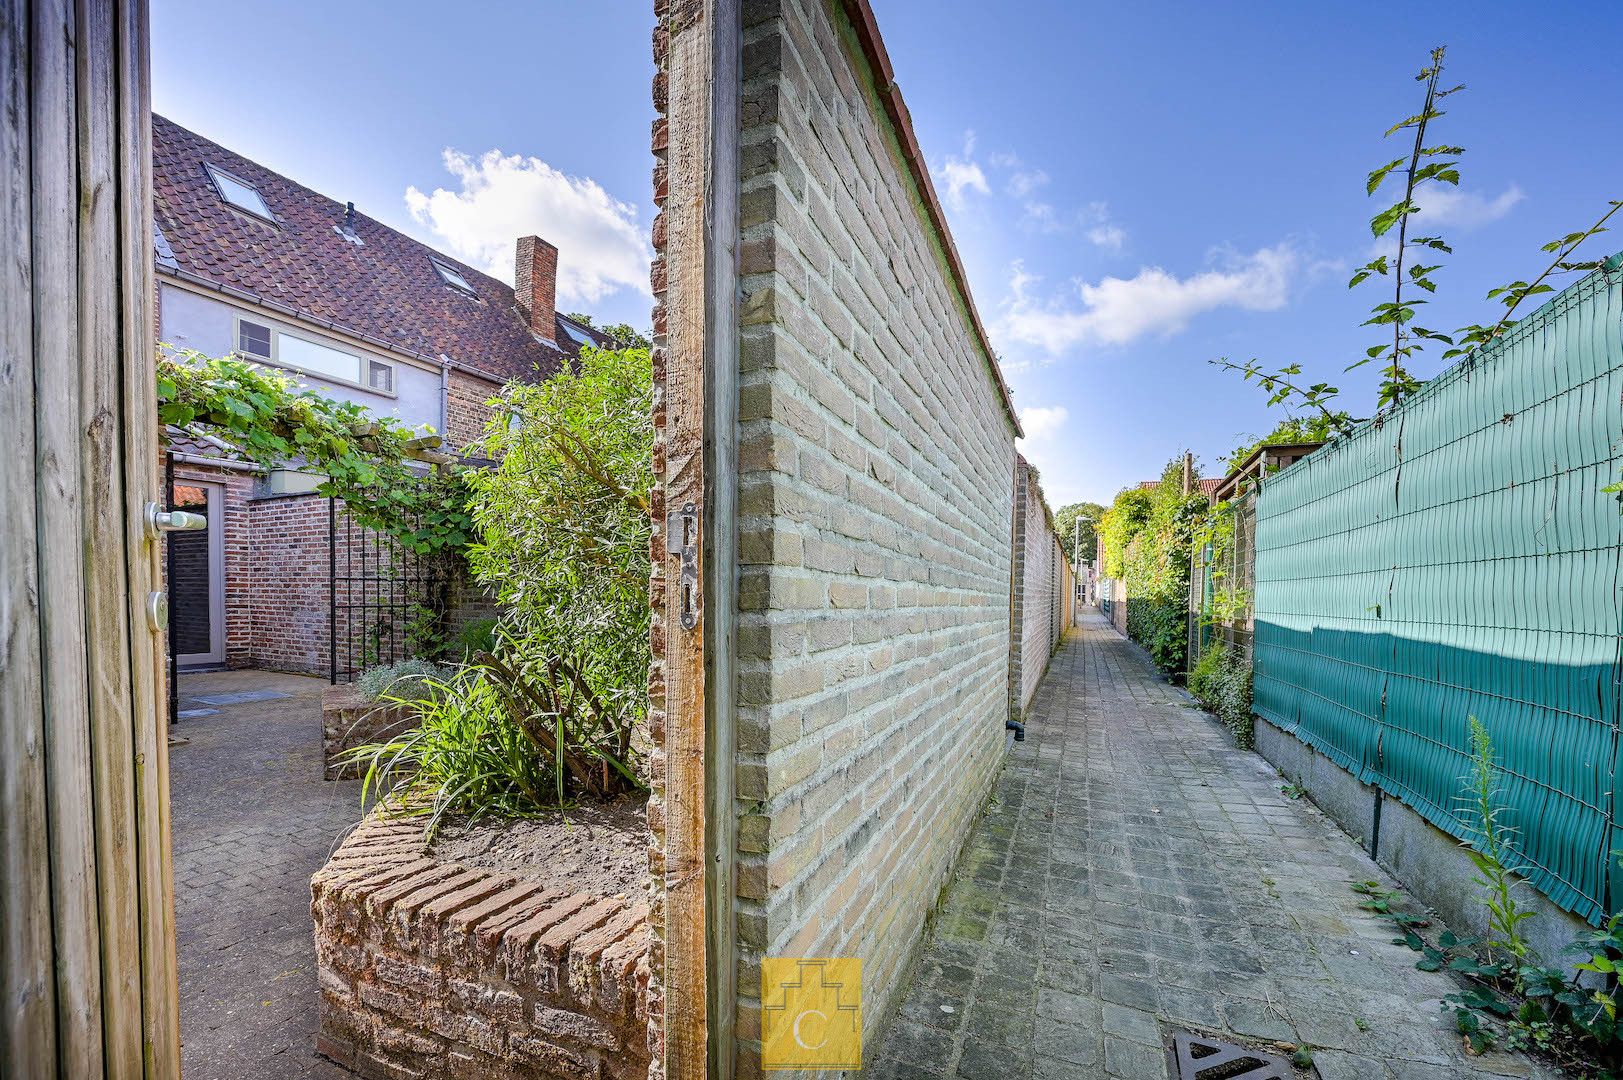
(796, 1030)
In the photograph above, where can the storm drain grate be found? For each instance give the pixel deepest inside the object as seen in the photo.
(1202, 1058)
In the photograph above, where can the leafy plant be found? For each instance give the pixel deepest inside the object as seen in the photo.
(408, 680)
(1492, 849)
(565, 531)
(368, 460)
(1221, 680)
(492, 741)
(474, 637)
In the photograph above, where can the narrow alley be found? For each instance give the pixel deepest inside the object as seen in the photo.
(1137, 876)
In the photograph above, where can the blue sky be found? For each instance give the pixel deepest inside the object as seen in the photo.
(1135, 189)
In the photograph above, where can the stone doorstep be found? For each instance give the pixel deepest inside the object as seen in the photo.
(429, 969)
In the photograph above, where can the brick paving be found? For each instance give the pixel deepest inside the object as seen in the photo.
(1138, 875)
(252, 821)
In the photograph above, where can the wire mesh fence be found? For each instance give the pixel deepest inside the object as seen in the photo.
(1460, 558)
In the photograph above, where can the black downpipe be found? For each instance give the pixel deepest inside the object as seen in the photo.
(1018, 728)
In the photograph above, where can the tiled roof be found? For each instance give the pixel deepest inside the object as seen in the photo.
(384, 289)
(1204, 486)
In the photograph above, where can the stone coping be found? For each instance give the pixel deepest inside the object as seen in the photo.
(435, 969)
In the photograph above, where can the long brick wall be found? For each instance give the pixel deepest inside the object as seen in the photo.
(1041, 606)
(874, 531)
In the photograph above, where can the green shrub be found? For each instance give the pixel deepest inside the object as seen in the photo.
(1146, 537)
(407, 680)
(1221, 681)
(492, 742)
(565, 527)
(473, 638)
(544, 710)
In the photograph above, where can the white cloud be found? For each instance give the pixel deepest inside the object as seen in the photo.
(1042, 421)
(601, 246)
(964, 174)
(1024, 182)
(1116, 310)
(1444, 204)
(1110, 237)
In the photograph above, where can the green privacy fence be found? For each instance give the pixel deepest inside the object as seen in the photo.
(1460, 559)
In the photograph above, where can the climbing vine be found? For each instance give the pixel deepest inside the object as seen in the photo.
(366, 459)
(1407, 265)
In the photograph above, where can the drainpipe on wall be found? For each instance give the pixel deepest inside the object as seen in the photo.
(445, 392)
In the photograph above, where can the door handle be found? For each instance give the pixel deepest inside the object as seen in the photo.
(160, 521)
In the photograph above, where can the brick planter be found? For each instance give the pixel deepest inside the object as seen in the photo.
(437, 970)
(349, 719)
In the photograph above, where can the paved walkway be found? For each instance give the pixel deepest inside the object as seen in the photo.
(1137, 875)
(252, 821)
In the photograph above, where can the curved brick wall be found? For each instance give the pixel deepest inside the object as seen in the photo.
(435, 969)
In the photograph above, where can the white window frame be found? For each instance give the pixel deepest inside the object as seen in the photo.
(215, 173)
(364, 371)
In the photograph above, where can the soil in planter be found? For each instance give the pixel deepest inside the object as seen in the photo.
(596, 848)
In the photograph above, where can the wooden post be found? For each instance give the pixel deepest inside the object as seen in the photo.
(87, 953)
(700, 399)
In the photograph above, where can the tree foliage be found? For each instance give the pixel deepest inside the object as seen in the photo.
(1078, 543)
(1147, 534)
(565, 528)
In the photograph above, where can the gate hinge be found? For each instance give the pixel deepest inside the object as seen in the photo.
(682, 540)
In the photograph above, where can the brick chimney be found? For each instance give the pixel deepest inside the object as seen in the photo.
(535, 286)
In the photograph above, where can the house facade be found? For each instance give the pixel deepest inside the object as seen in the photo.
(253, 264)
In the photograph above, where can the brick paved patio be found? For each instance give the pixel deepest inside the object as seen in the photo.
(1138, 875)
(252, 821)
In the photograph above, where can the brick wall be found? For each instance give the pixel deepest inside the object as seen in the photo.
(875, 503)
(350, 719)
(466, 411)
(288, 598)
(435, 970)
(1038, 608)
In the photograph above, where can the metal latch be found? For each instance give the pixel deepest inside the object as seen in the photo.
(160, 521)
(682, 539)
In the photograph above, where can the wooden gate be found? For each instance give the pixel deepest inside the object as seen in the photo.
(87, 957)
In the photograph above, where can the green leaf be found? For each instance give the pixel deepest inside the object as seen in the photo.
(1382, 223)
(1379, 175)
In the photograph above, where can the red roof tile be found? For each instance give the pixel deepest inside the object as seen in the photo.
(384, 288)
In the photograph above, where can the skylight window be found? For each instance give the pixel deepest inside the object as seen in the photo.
(580, 336)
(453, 277)
(239, 193)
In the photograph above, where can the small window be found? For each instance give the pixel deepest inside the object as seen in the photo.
(453, 277)
(253, 339)
(580, 336)
(239, 193)
(380, 376)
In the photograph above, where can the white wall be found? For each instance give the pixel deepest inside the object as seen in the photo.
(188, 320)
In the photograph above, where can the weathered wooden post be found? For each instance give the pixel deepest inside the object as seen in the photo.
(87, 954)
